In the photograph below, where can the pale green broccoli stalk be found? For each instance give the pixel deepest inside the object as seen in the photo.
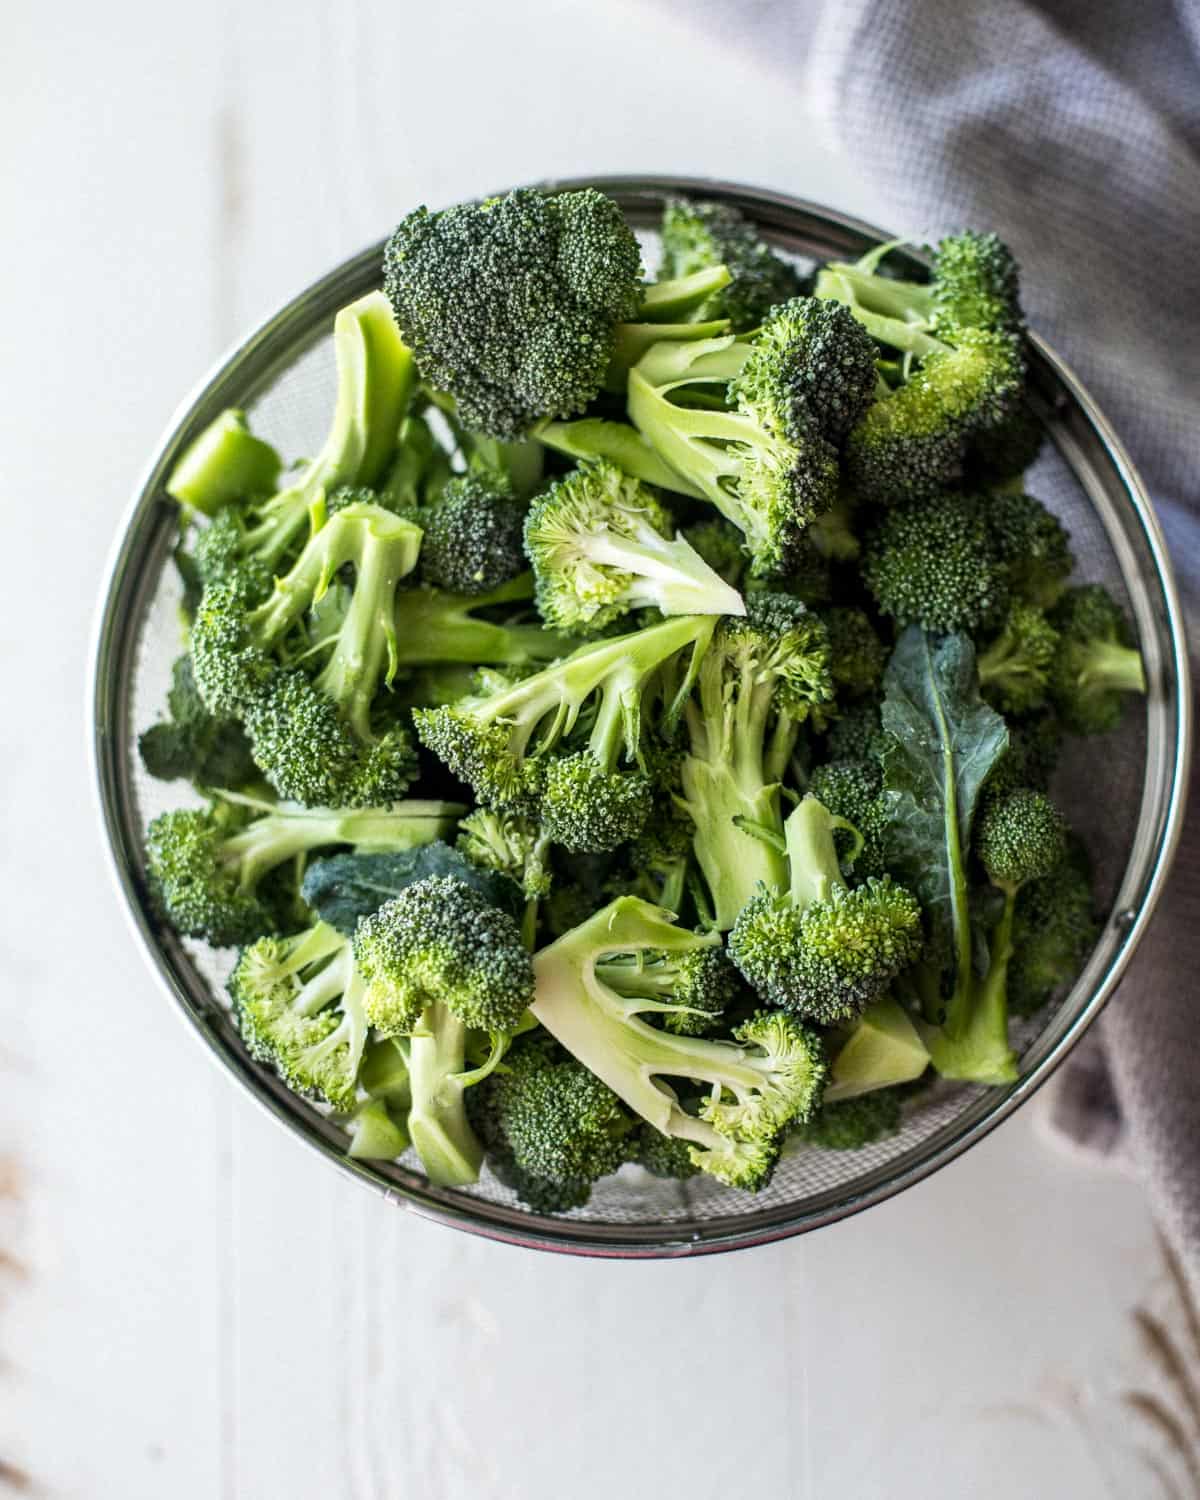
(601, 545)
(224, 465)
(1097, 665)
(757, 1085)
(433, 627)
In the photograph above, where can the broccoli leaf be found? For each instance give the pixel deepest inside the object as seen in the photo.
(344, 887)
(943, 742)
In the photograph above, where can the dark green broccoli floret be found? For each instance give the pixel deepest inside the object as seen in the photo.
(856, 654)
(472, 534)
(761, 678)
(191, 743)
(298, 1002)
(849, 1124)
(1014, 669)
(815, 947)
(1054, 927)
(1097, 663)
(856, 733)
(1034, 747)
(206, 866)
(1032, 544)
(769, 1076)
(719, 543)
(601, 545)
(695, 988)
(933, 562)
(1019, 836)
(502, 743)
(513, 845)
(511, 304)
(1006, 451)
(437, 959)
(663, 1155)
(853, 790)
(697, 236)
(975, 284)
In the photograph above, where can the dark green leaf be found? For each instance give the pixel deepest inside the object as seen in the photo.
(344, 887)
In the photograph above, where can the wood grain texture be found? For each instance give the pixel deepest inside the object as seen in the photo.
(190, 1305)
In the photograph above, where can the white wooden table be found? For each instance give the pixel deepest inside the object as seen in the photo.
(193, 1307)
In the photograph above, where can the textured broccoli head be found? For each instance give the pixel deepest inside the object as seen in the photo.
(1034, 746)
(856, 654)
(1014, 668)
(556, 1121)
(975, 284)
(514, 846)
(229, 667)
(601, 544)
(853, 790)
(849, 1124)
(695, 988)
(1032, 544)
(1054, 928)
(857, 732)
(198, 882)
(1006, 451)
(810, 359)
(191, 743)
(933, 562)
(780, 642)
(472, 534)
(1019, 836)
(298, 1005)
(511, 304)
(589, 809)
(697, 236)
(663, 1155)
(1097, 663)
(440, 942)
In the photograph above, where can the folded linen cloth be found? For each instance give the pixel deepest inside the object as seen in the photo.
(1073, 129)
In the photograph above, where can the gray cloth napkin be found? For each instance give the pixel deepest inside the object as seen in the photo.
(1072, 127)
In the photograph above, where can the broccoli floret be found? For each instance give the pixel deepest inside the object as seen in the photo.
(856, 654)
(513, 845)
(857, 732)
(1097, 663)
(720, 545)
(1034, 746)
(226, 464)
(601, 545)
(1006, 451)
(699, 236)
(206, 866)
(663, 1155)
(765, 455)
(849, 1124)
(760, 679)
(1014, 669)
(298, 1002)
(768, 1077)
(552, 1118)
(501, 744)
(1054, 928)
(853, 790)
(1032, 544)
(472, 540)
(437, 959)
(511, 304)
(934, 562)
(815, 947)
(191, 743)
(697, 987)
(418, 471)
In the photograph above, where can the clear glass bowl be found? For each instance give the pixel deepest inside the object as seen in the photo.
(283, 374)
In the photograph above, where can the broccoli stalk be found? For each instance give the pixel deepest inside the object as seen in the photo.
(757, 1085)
(699, 237)
(225, 464)
(623, 445)
(1097, 664)
(435, 627)
(881, 1049)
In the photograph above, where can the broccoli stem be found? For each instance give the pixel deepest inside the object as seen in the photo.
(432, 627)
(594, 437)
(669, 301)
(883, 1048)
(633, 340)
(225, 463)
(368, 633)
(814, 871)
(978, 1051)
(1109, 666)
(734, 863)
(449, 1150)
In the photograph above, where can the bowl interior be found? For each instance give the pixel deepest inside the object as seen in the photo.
(284, 377)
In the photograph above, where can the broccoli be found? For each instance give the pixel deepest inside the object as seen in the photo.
(514, 846)
(1014, 669)
(720, 545)
(417, 472)
(298, 1002)
(544, 1113)
(815, 947)
(375, 1134)
(511, 304)
(933, 561)
(767, 1078)
(852, 790)
(663, 1155)
(856, 733)
(698, 236)
(600, 544)
(621, 444)
(472, 534)
(435, 627)
(501, 743)
(882, 1048)
(226, 463)
(1054, 927)
(206, 866)
(698, 986)
(1031, 544)
(769, 464)
(437, 959)
(1004, 453)
(856, 654)
(1032, 756)
(850, 1124)
(762, 676)
(191, 743)
(1097, 662)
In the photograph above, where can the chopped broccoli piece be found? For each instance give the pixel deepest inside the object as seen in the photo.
(1054, 927)
(856, 654)
(697, 986)
(435, 627)
(226, 463)
(1032, 544)
(850, 1124)
(1007, 450)
(1014, 670)
(1097, 663)
(472, 540)
(191, 743)
(698, 236)
(852, 790)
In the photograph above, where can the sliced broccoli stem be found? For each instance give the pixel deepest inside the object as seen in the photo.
(669, 301)
(449, 1149)
(667, 574)
(734, 863)
(883, 1048)
(862, 290)
(633, 340)
(978, 1050)
(595, 437)
(432, 626)
(814, 870)
(1109, 666)
(226, 463)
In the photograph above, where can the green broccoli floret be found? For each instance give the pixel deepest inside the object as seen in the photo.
(224, 465)
(298, 1002)
(663, 1155)
(511, 304)
(760, 679)
(933, 561)
(850, 1124)
(191, 743)
(856, 654)
(1032, 544)
(719, 543)
(1006, 451)
(767, 1078)
(206, 866)
(601, 545)
(815, 947)
(1097, 662)
(765, 455)
(502, 744)
(698, 236)
(438, 959)
(696, 987)
(472, 540)
(857, 732)
(1054, 928)
(853, 790)
(513, 845)
(1034, 746)
(1014, 669)
(418, 471)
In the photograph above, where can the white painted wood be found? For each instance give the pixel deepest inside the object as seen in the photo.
(206, 1310)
